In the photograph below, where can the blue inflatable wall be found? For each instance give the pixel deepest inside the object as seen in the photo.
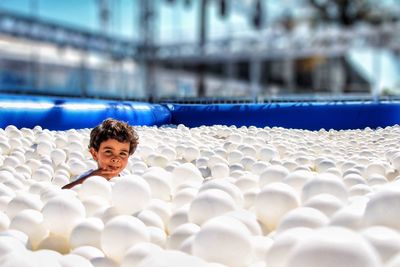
(300, 115)
(67, 113)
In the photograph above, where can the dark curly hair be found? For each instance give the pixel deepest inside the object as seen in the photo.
(114, 129)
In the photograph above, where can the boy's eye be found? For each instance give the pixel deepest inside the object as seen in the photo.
(123, 154)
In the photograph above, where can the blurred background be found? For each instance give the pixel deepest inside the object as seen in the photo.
(201, 50)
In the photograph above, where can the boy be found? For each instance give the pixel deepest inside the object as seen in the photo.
(111, 144)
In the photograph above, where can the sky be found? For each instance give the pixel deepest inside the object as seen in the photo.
(176, 21)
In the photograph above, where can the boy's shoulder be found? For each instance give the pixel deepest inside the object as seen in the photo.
(83, 175)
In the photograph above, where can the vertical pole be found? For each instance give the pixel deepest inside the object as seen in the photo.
(34, 56)
(201, 90)
(255, 75)
(289, 74)
(230, 76)
(376, 87)
(83, 73)
(337, 76)
(147, 27)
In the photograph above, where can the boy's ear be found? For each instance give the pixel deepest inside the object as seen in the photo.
(93, 152)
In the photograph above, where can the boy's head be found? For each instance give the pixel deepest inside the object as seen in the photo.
(111, 144)
(114, 129)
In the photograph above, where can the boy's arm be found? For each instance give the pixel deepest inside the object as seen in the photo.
(76, 182)
(80, 180)
(98, 172)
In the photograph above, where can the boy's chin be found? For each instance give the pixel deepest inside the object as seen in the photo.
(112, 174)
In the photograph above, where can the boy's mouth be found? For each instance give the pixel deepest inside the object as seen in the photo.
(113, 168)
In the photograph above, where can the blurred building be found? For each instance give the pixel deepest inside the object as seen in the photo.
(159, 50)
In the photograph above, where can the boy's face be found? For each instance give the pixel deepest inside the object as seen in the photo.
(112, 157)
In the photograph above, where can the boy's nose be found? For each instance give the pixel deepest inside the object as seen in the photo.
(115, 160)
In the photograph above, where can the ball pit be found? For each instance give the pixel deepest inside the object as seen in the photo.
(204, 196)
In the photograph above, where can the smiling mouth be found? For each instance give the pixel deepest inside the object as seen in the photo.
(113, 168)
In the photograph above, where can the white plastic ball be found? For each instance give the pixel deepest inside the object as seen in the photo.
(274, 173)
(24, 169)
(223, 240)
(139, 252)
(259, 167)
(184, 196)
(267, 153)
(120, 233)
(157, 236)
(130, 194)
(61, 213)
(350, 216)
(261, 245)
(138, 166)
(31, 223)
(375, 168)
(191, 153)
(325, 203)
(216, 159)
(5, 191)
(248, 150)
(386, 241)
(44, 148)
(22, 258)
(103, 262)
(93, 204)
(283, 245)
(226, 186)
(169, 152)
(324, 165)
(325, 183)
(377, 179)
(158, 160)
(219, 170)
(360, 190)
(248, 218)
(353, 179)
(186, 172)
(208, 204)
(180, 234)
(248, 162)
(336, 245)
(383, 209)
(273, 202)
(234, 156)
(56, 243)
(41, 174)
(77, 167)
(161, 208)
(60, 142)
(150, 218)
(298, 178)
(88, 252)
(249, 197)
(95, 186)
(57, 156)
(11, 161)
(87, 233)
(75, 146)
(246, 182)
(5, 147)
(179, 217)
(72, 260)
(160, 184)
(302, 217)
(4, 221)
(21, 202)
